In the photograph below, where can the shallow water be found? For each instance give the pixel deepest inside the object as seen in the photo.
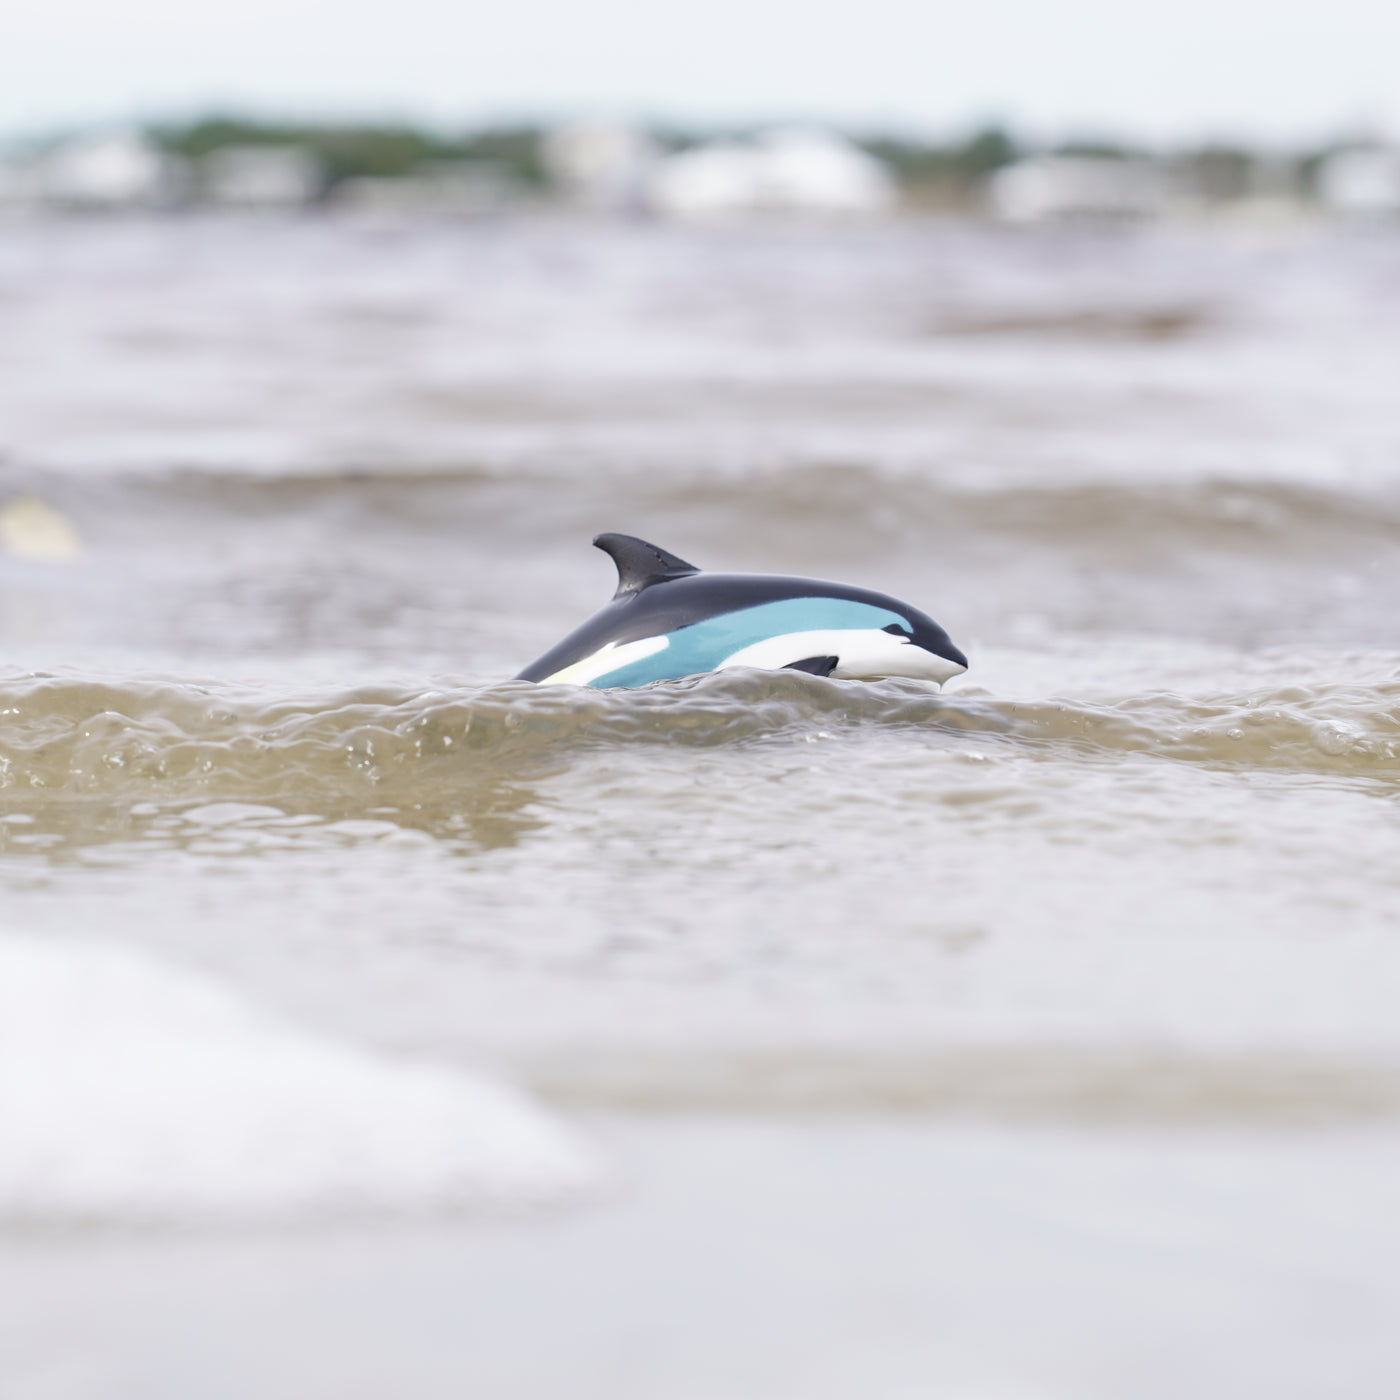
(322, 486)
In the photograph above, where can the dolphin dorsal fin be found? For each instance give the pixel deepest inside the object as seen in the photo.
(639, 564)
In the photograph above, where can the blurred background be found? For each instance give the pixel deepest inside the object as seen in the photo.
(370, 1021)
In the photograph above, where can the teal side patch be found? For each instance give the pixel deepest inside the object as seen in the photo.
(703, 646)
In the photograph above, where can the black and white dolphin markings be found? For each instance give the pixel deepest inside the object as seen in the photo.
(668, 620)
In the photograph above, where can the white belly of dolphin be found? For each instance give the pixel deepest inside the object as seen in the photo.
(862, 654)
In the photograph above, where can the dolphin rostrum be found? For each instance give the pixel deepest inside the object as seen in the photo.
(668, 620)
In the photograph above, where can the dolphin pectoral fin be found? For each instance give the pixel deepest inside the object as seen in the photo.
(813, 665)
(639, 564)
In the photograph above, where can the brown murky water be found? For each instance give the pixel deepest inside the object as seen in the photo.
(1121, 906)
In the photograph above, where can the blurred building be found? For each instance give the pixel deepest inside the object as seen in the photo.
(1362, 183)
(786, 172)
(457, 187)
(603, 166)
(1048, 188)
(19, 182)
(111, 170)
(260, 177)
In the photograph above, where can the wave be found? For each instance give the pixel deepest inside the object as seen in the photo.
(1074, 494)
(66, 740)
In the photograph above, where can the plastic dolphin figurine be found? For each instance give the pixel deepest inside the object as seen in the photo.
(668, 620)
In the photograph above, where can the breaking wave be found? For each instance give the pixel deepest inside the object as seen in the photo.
(63, 739)
(137, 1094)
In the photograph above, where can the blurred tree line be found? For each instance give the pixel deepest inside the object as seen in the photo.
(933, 173)
(936, 171)
(351, 151)
(946, 173)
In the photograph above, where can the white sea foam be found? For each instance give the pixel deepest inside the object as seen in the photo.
(134, 1093)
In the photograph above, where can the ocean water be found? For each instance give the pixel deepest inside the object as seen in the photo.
(753, 1035)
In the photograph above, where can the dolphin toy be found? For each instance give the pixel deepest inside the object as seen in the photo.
(668, 620)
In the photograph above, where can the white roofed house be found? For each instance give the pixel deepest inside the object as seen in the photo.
(436, 189)
(601, 165)
(260, 177)
(111, 170)
(786, 171)
(19, 182)
(820, 172)
(1050, 188)
(718, 179)
(1362, 183)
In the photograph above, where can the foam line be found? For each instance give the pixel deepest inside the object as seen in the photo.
(134, 1093)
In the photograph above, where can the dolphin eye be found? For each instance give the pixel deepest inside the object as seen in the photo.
(899, 630)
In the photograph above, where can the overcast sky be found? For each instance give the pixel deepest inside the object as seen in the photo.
(1180, 69)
